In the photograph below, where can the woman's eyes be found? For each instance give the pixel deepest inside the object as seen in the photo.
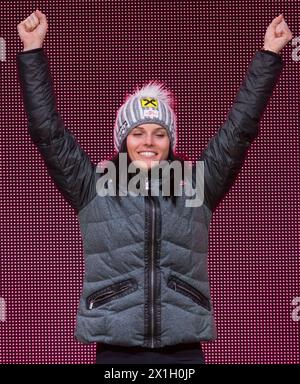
(139, 134)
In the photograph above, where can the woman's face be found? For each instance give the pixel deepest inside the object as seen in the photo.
(147, 144)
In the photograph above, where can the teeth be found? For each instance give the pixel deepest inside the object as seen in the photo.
(148, 154)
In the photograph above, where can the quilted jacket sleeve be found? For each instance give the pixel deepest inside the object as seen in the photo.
(226, 151)
(68, 165)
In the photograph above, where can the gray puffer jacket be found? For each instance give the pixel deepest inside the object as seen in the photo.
(146, 278)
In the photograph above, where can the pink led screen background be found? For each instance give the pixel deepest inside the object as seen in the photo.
(98, 51)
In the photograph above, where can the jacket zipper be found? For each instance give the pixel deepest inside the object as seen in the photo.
(100, 297)
(185, 289)
(201, 299)
(152, 263)
(152, 273)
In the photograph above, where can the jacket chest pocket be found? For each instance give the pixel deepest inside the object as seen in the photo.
(186, 289)
(111, 292)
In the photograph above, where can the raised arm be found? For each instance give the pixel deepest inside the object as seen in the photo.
(225, 153)
(68, 165)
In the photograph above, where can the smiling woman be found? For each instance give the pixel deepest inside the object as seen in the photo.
(146, 293)
(145, 129)
(148, 144)
(146, 164)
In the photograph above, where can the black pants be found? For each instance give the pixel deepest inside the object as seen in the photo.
(190, 353)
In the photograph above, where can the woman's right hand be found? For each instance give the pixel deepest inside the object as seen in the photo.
(32, 30)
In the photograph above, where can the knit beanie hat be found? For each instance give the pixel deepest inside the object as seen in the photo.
(153, 103)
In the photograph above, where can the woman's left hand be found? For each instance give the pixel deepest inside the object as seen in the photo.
(277, 35)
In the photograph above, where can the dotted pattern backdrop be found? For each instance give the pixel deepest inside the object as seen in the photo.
(99, 51)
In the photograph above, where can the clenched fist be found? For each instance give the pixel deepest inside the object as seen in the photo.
(32, 30)
(277, 35)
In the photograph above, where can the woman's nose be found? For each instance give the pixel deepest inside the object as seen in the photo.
(148, 140)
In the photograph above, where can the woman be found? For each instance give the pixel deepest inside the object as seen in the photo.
(146, 296)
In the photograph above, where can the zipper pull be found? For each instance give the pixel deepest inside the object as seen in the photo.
(147, 184)
(91, 305)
